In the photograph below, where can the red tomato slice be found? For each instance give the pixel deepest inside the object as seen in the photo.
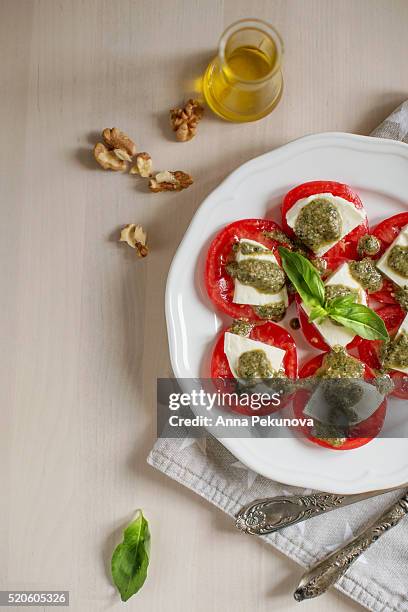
(269, 333)
(345, 248)
(312, 334)
(220, 285)
(386, 232)
(368, 350)
(372, 425)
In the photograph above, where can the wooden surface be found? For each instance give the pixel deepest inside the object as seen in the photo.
(83, 332)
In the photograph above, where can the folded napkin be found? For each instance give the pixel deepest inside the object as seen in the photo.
(377, 581)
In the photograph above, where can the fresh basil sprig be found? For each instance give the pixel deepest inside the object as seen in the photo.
(307, 282)
(360, 319)
(304, 276)
(130, 559)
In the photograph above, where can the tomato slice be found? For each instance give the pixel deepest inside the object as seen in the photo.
(386, 232)
(372, 425)
(369, 350)
(345, 248)
(269, 333)
(220, 285)
(312, 334)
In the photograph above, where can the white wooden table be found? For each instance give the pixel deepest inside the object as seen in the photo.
(83, 332)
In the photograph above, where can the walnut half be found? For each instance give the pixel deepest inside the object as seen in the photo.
(170, 181)
(144, 165)
(184, 120)
(116, 139)
(135, 236)
(107, 159)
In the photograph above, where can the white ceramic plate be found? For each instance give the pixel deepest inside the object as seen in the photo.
(378, 170)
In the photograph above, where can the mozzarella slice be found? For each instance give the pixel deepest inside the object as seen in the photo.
(403, 327)
(351, 216)
(318, 408)
(337, 334)
(235, 345)
(245, 294)
(402, 240)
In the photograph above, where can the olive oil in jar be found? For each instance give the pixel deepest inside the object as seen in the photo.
(244, 82)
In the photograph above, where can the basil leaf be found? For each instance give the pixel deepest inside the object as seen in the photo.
(130, 559)
(317, 312)
(341, 301)
(360, 319)
(304, 276)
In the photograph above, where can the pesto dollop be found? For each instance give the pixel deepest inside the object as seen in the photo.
(329, 433)
(368, 245)
(265, 276)
(247, 248)
(394, 353)
(398, 260)
(318, 223)
(271, 312)
(320, 264)
(278, 236)
(384, 383)
(339, 364)
(342, 395)
(241, 327)
(365, 273)
(401, 295)
(334, 291)
(254, 364)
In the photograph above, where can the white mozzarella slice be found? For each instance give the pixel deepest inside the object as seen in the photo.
(235, 345)
(401, 240)
(351, 216)
(245, 294)
(337, 334)
(403, 328)
(318, 408)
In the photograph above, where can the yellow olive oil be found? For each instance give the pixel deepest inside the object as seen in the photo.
(243, 85)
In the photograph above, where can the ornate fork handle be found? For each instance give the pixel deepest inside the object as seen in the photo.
(317, 580)
(268, 515)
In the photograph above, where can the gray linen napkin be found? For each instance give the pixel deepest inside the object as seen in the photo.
(206, 467)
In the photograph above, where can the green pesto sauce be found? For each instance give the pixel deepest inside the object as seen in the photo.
(246, 248)
(365, 273)
(368, 245)
(265, 276)
(271, 312)
(254, 364)
(334, 291)
(320, 264)
(401, 295)
(278, 236)
(318, 223)
(329, 433)
(398, 260)
(384, 383)
(395, 352)
(342, 394)
(241, 327)
(338, 364)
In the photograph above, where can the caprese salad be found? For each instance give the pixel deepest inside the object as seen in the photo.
(326, 259)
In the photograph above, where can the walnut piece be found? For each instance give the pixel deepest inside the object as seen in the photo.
(170, 181)
(115, 139)
(184, 120)
(135, 236)
(122, 154)
(107, 159)
(143, 165)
